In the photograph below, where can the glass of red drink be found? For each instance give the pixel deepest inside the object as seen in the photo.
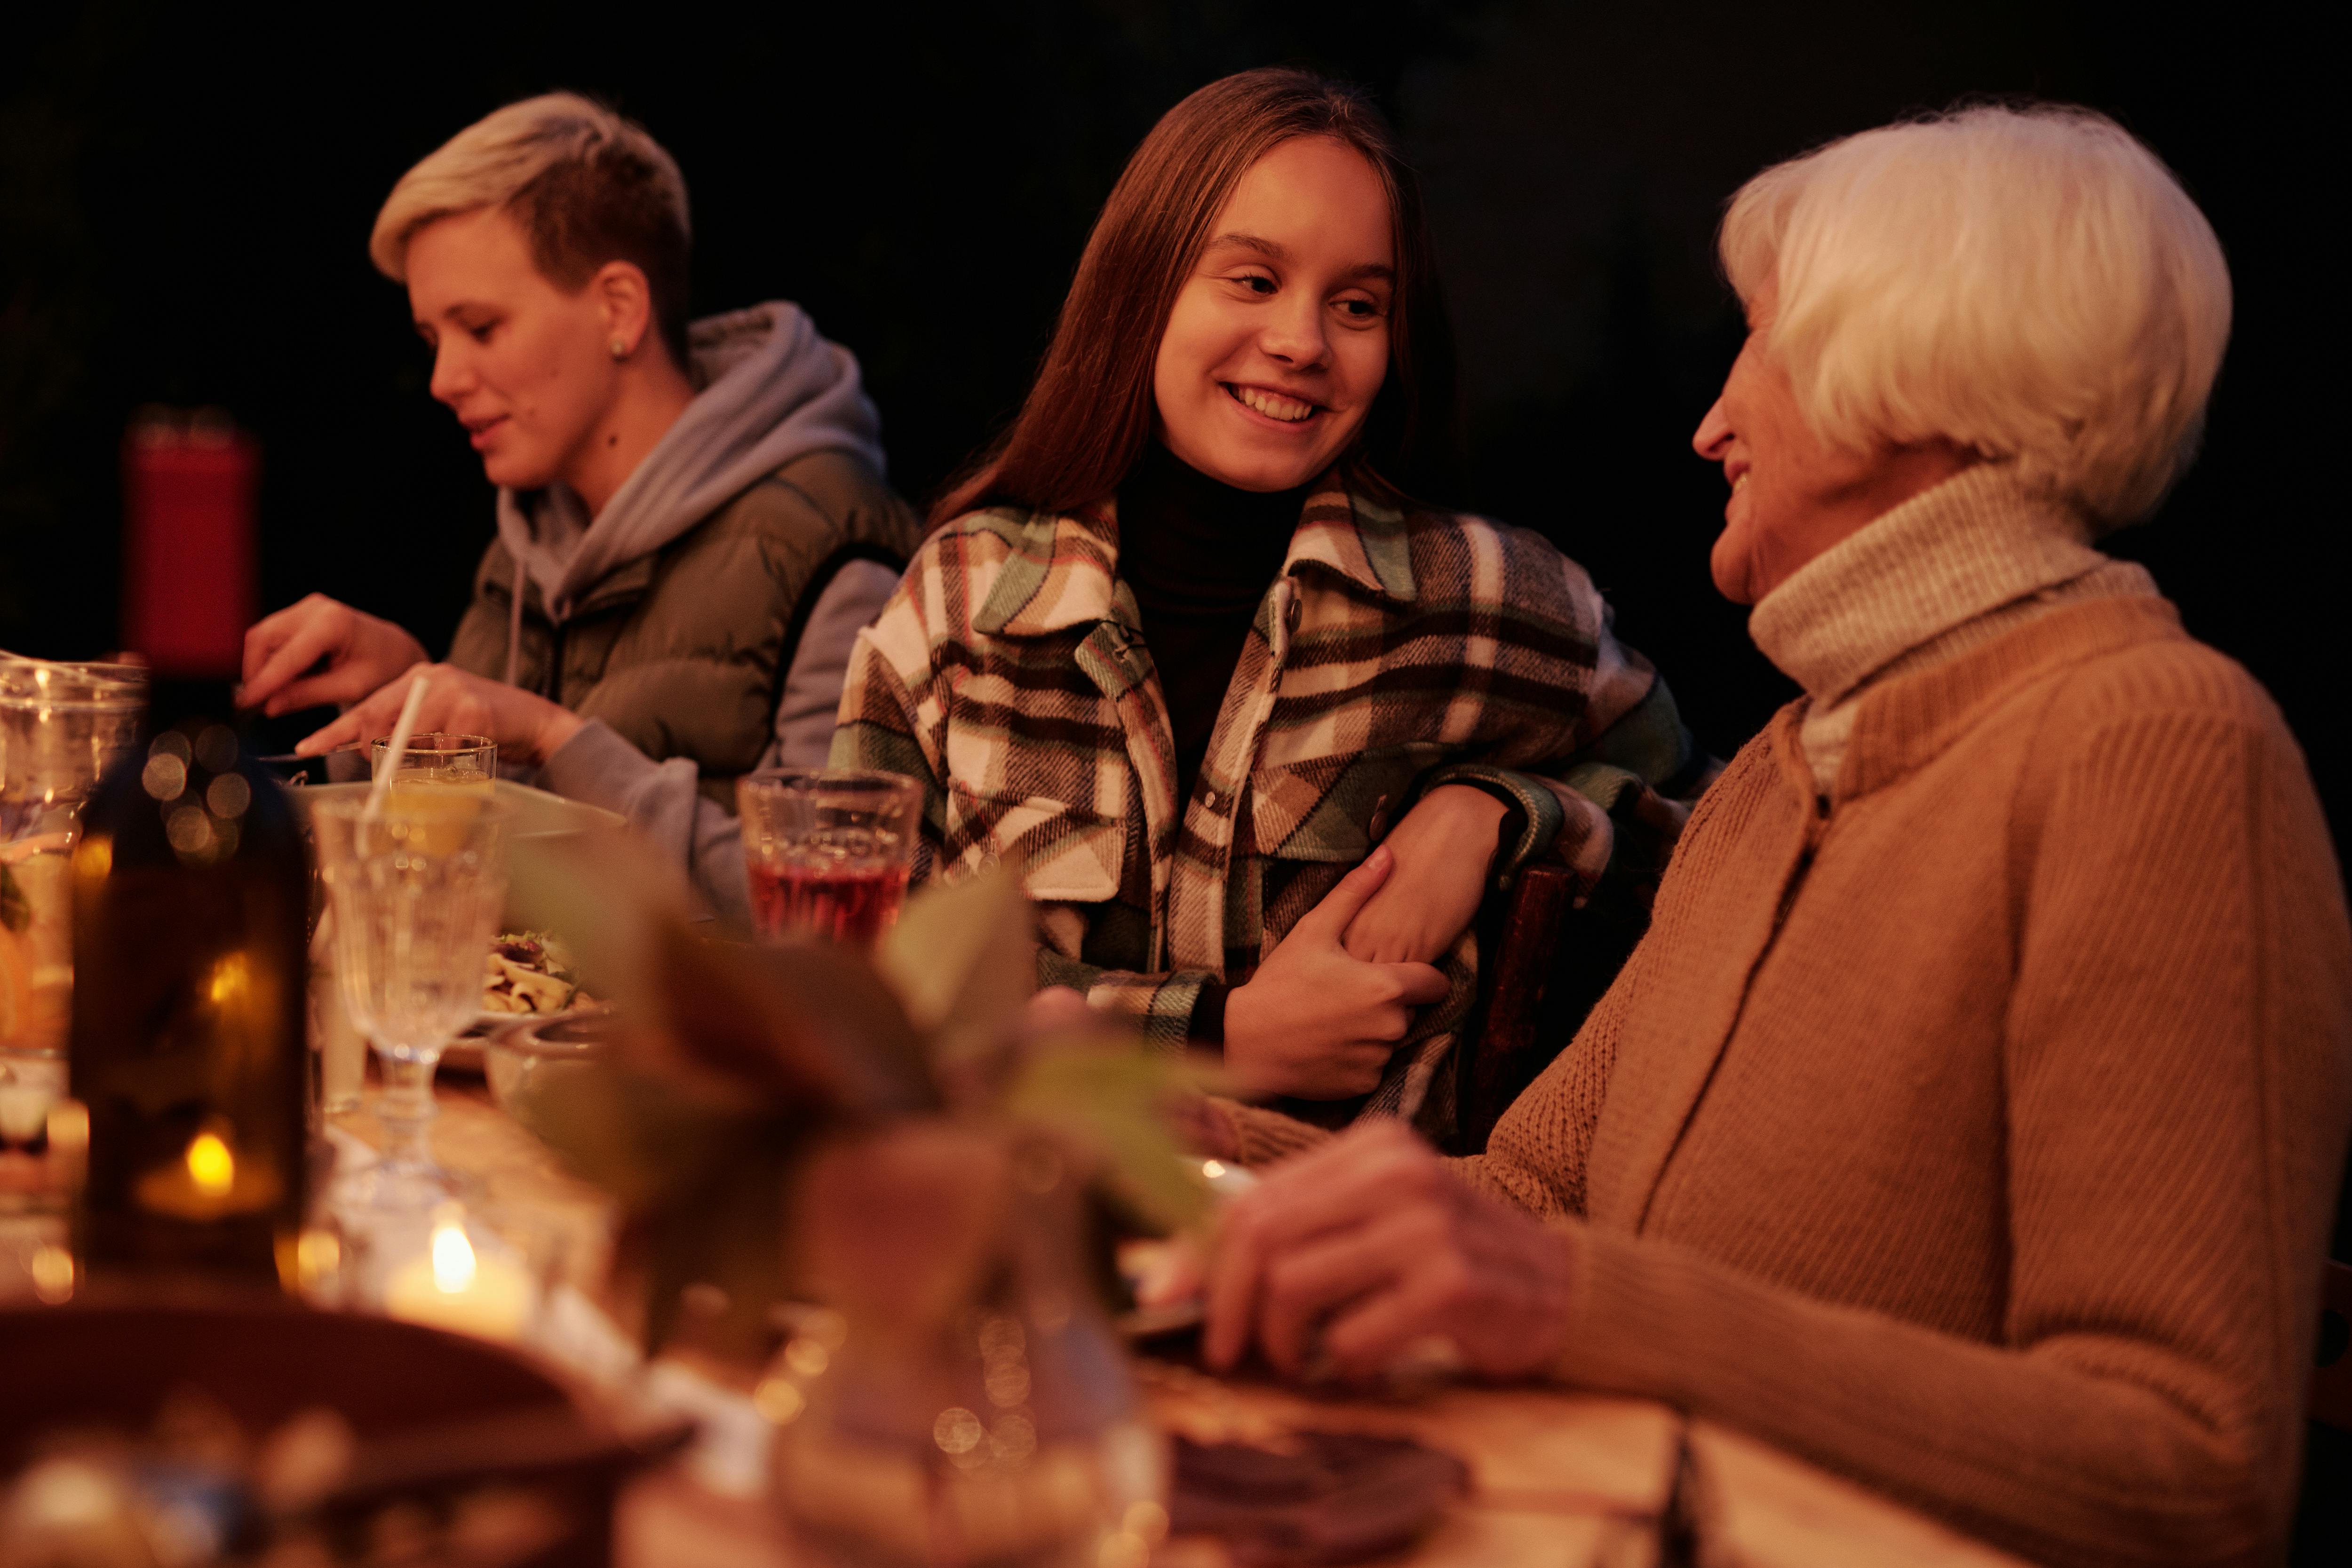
(827, 851)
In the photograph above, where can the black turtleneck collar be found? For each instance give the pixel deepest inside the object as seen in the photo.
(1197, 539)
(1199, 556)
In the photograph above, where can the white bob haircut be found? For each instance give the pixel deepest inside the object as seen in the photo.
(587, 186)
(2028, 283)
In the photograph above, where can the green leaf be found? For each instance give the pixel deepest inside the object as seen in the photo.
(643, 1138)
(726, 1232)
(1108, 1100)
(963, 958)
(808, 1027)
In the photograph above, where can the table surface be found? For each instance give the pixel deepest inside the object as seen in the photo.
(1557, 1479)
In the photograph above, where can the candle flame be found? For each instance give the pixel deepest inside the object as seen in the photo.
(210, 1164)
(230, 978)
(70, 1128)
(53, 1272)
(453, 1259)
(96, 856)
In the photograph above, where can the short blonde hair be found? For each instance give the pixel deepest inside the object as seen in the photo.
(587, 187)
(2029, 283)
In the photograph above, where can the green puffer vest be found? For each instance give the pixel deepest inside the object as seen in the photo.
(684, 651)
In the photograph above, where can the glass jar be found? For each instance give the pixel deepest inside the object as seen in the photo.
(962, 1398)
(61, 726)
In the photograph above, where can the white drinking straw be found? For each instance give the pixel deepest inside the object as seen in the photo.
(397, 748)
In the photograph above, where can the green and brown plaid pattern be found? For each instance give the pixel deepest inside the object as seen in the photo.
(1397, 650)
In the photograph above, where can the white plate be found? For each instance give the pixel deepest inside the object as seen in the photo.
(464, 1052)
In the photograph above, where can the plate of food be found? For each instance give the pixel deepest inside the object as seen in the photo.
(1163, 1277)
(526, 976)
(529, 974)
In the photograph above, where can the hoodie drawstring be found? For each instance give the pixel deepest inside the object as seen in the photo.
(514, 619)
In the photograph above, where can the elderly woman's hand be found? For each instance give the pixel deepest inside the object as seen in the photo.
(1368, 1253)
(528, 728)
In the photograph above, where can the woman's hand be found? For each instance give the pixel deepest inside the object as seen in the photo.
(1055, 1008)
(1315, 1022)
(1443, 849)
(1367, 1254)
(361, 653)
(528, 728)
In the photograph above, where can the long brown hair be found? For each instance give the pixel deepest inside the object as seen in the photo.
(1087, 419)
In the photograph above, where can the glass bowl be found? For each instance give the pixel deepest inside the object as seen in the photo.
(520, 1061)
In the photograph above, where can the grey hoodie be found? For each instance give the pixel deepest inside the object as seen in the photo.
(768, 389)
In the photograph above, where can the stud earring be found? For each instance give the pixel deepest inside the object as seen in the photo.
(620, 349)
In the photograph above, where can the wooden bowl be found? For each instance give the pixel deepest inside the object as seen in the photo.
(436, 1415)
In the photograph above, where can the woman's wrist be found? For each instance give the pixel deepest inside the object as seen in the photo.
(1245, 1069)
(1235, 1018)
(559, 725)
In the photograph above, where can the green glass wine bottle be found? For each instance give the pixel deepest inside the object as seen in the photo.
(191, 887)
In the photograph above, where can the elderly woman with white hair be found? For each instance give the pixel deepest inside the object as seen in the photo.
(1969, 1119)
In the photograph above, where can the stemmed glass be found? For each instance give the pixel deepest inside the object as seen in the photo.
(416, 891)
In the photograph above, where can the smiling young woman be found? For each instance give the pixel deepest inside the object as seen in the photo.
(1185, 645)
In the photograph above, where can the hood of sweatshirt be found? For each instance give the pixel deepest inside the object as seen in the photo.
(768, 389)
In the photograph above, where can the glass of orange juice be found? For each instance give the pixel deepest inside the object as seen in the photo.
(438, 761)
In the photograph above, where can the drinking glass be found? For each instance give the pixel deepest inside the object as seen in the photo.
(827, 851)
(437, 761)
(61, 726)
(417, 892)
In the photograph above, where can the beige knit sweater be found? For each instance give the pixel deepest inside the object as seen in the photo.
(1978, 1139)
(1973, 1129)
(1954, 568)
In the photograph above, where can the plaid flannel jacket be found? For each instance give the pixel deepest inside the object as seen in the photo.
(1396, 651)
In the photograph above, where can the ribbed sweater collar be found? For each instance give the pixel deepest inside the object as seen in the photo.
(1947, 555)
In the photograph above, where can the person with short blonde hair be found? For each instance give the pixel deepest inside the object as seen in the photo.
(584, 185)
(1969, 1118)
(693, 520)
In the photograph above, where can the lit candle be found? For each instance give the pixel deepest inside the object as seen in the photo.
(209, 1181)
(25, 1109)
(454, 1286)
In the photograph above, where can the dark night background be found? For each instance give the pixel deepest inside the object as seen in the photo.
(184, 201)
(185, 196)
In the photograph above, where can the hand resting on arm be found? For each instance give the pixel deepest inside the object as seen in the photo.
(1315, 1020)
(1443, 850)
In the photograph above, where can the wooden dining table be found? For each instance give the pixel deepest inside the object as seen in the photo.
(1557, 1479)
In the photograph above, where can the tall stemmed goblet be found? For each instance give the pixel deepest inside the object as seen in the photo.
(416, 891)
